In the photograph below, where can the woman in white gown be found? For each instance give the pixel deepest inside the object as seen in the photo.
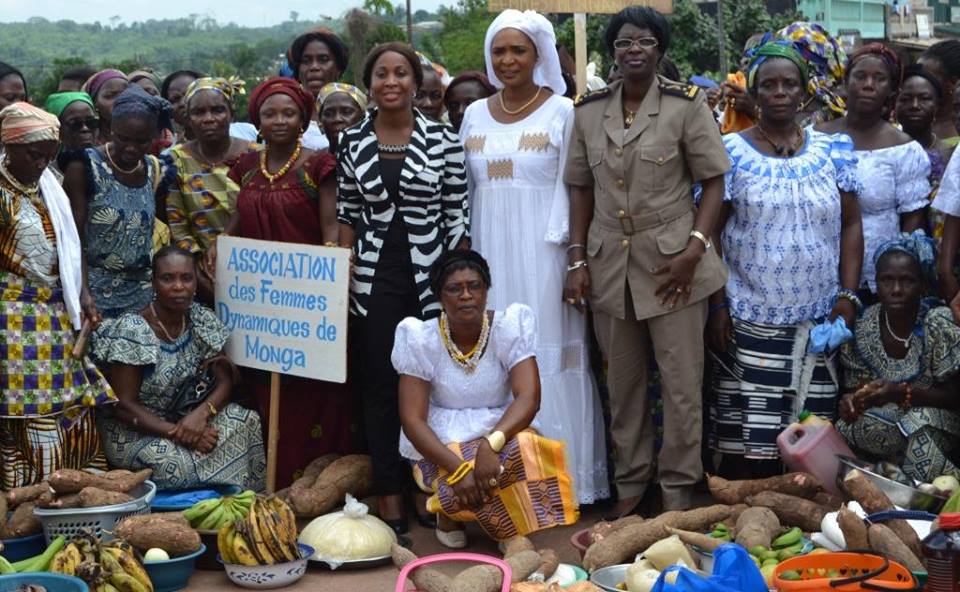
(516, 146)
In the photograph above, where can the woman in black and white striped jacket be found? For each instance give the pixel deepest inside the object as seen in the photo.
(402, 202)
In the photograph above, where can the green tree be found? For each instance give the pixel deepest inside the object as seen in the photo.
(379, 7)
(464, 28)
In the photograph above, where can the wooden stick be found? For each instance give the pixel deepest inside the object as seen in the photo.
(81, 343)
(273, 432)
(580, 49)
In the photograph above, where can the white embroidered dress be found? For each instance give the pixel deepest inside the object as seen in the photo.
(895, 181)
(464, 406)
(520, 223)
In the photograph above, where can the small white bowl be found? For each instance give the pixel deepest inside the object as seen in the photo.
(266, 577)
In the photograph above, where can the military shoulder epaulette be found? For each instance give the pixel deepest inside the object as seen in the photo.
(592, 95)
(678, 89)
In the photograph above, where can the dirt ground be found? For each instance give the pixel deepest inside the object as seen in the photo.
(384, 579)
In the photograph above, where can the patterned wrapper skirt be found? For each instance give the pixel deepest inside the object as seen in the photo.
(535, 491)
(762, 382)
(46, 395)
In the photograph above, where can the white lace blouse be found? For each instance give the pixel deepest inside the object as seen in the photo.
(464, 406)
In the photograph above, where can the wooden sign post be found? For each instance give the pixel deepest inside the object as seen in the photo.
(579, 9)
(286, 307)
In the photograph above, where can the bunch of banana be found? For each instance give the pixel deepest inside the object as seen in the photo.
(722, 531)
(267, 535)
(211, 514)
(789, 543)
(105, 567)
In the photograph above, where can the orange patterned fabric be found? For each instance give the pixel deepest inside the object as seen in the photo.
(535, 491)
(22, 123)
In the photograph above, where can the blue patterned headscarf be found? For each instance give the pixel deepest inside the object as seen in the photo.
(136, 102)
(917, 245)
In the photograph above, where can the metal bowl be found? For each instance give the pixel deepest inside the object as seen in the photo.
(608, 578)
(903, 496)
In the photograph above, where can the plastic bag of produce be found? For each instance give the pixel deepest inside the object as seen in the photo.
(349, 535)
(733, 571)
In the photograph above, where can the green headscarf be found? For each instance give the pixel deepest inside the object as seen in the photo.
(776, 49)
(58, 102)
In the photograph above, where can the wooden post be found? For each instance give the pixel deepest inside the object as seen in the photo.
(580, 47)
(722, 41)
(273, 432)
(409, 23)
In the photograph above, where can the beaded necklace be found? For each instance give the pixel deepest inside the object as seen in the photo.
(286, 166)
(470, 360)
(31, 191)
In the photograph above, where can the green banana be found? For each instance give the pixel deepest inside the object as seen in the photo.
(212, 520)
(788, 552)
(788, 539)
(201, 509)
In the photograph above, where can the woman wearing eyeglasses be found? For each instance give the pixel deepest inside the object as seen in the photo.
(79, 124)
(640, 253)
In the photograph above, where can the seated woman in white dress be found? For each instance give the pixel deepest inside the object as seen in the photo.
(469, 391)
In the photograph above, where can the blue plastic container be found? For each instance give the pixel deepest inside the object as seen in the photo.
(24, 547)
(172, 574)
(52, 582)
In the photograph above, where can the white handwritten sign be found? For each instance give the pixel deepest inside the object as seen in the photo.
(285, 305)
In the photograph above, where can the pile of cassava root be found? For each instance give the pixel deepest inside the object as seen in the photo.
(326, 481)
(66, 488)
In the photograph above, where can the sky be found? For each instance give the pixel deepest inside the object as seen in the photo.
(243, 12)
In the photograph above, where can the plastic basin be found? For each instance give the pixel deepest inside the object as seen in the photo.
(24, 547)
(51, 582)
(580, 540)
(172, 574)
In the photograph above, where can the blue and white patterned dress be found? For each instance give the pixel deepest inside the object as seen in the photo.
(237, 459)
(118, 240)
(782, 245)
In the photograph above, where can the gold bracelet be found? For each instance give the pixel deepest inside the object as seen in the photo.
(213, 410)
(700, 236)
(462, 471)
(497, 440)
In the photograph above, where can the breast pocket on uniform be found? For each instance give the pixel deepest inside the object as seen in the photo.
(657, 163)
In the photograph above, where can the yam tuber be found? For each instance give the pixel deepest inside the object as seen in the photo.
(23, 522)
(828, 500)
(514, 545)
(549, 562)
(604, 529)
(351, 474)
(487, 578)
(3, 518)
(92, 497)
(873, 500)
(885, 541)
(426, 578)
(53, 501)
(802, 485)
(756, 528)
(152, 530)
(28, 493)
(853, 529)
(791, 510)
(313, 470)
(696, 539)
(73, 481)
(622, 545)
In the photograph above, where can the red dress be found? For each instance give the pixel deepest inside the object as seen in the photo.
(316, 417)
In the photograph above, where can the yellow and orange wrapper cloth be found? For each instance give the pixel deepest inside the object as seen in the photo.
(734, 121)
(535, 491)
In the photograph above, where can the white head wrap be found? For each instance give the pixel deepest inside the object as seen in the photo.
(534, 25)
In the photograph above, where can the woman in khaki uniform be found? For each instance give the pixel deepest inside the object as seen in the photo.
(640, 253)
